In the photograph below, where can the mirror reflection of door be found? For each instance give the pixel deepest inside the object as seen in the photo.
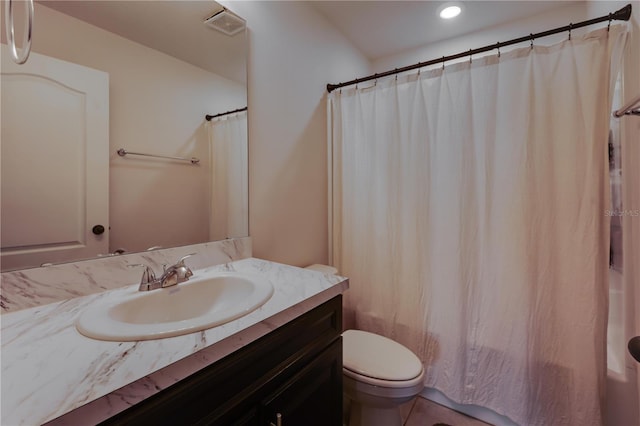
(162, 83)
(55, 131)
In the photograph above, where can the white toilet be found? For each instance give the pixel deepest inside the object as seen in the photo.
(379, 374)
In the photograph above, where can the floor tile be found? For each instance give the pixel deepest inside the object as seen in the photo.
(405, 409)
(428, 413)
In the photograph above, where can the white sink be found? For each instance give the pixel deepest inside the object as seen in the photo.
(214, 298)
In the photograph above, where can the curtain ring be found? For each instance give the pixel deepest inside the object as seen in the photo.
(609, 24)
(443, 63)
(531, 37)
(498, 47)
(19, 57)
(570, 28)
(470, 58)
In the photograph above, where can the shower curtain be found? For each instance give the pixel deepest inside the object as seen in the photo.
(228, 215)
(469, 213)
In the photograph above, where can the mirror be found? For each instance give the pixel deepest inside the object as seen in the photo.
(162, 70)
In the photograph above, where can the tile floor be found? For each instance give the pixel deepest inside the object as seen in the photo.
(422, 412)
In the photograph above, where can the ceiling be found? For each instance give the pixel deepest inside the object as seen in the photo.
(173, 27)
(379, 28)
(376, 28)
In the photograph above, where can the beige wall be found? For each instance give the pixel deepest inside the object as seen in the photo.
(294, 53)
(157, 105)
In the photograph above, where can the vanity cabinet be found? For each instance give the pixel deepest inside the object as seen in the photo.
(293, 375)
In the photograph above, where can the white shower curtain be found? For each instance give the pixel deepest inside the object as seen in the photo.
(468, 211)
(229, 215)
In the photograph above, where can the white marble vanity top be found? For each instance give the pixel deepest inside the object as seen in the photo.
(50, 372)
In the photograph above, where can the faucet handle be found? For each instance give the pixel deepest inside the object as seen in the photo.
(181, 261)
(185, 270)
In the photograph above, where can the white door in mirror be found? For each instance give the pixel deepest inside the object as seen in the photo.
(205, 301)
(55, 161)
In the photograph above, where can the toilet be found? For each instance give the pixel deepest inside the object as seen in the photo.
(379, 374)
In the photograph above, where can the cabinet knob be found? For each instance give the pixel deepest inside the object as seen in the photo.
(278, 420)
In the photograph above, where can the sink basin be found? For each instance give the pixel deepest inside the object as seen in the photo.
(205, 301)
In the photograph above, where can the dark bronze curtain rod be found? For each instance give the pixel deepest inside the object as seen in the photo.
(621, 15)
(209, 117)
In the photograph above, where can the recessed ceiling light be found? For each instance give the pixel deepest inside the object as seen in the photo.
(449, 12)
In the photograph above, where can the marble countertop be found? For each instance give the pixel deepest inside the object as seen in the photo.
(52, 373)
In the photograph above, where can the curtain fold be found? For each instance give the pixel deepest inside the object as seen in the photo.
(468, 212)
(228, 149)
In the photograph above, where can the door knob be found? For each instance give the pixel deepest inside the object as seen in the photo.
(98, 229)
(634, 348)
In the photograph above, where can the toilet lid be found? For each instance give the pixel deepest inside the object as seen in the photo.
(376, 356)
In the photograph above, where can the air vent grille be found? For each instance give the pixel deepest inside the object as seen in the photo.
(226, 22)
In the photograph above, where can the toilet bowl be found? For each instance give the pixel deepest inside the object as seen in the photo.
(379, 374)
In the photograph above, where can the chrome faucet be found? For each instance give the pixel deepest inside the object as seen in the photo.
(172, 275)
(176, 274)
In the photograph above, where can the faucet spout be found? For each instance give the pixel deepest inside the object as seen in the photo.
(176, 274)
(172, 275)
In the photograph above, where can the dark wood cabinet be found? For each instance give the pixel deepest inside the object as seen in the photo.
(295, 372)
(311, 397)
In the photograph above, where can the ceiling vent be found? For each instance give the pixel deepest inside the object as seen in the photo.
(226, 22)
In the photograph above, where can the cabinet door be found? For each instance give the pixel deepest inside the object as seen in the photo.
(311, 397)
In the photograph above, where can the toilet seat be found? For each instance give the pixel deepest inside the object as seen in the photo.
(384, 383)
(379, 361)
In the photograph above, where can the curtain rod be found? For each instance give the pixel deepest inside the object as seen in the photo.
(210, 117)
(621, 15)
